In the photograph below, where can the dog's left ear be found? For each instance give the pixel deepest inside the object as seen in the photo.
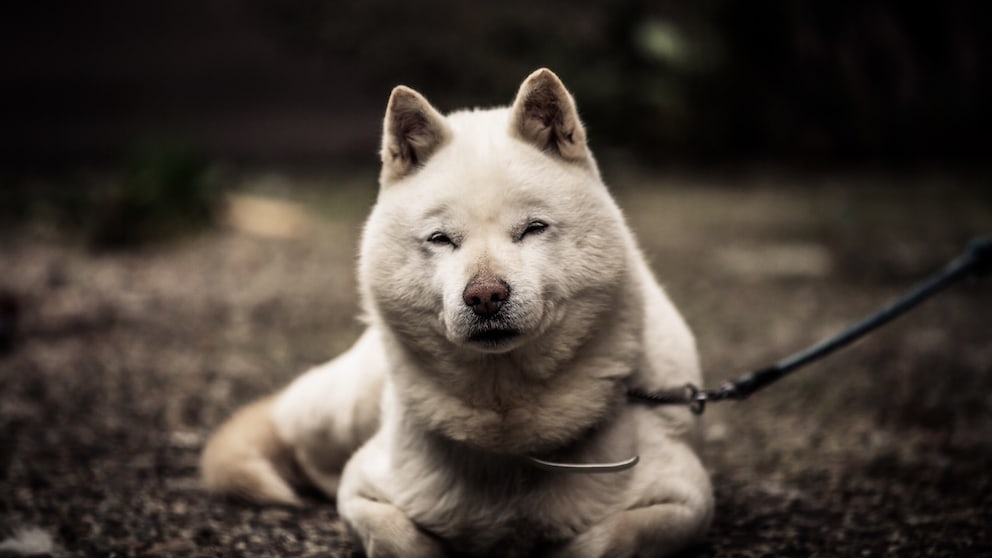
(544, 115)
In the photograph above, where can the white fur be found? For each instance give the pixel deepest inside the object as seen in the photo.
(440, 423)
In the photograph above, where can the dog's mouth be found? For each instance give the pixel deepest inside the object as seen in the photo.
(494, 338)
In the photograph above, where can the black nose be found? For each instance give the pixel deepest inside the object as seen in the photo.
(486, 295)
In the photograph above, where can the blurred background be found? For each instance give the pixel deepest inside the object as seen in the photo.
(875, 82)
(169, 90)
(182, 187)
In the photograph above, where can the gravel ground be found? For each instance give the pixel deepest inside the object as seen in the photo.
(123, 362)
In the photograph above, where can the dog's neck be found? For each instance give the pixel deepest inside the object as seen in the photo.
(605, 441)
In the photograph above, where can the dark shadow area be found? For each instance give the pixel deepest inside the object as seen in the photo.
(801, 82)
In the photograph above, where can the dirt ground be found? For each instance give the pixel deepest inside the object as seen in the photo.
(123, 362)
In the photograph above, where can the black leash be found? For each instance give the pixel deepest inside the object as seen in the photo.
(976, 261)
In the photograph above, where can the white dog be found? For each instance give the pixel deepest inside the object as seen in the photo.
(509, 312)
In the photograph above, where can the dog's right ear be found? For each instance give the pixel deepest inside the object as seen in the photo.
(412, 131)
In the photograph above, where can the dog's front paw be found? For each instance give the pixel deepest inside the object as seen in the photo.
(652, 531)
(384, 531)
(599, 541)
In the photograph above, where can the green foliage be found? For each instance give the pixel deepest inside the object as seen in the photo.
(165, 188)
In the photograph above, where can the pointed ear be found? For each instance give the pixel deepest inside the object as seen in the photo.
(412, 131)
(544, 115)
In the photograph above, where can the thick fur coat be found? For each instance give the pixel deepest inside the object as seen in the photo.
(509, 311)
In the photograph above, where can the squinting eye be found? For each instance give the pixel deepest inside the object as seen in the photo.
(535, 227)
(440, 239)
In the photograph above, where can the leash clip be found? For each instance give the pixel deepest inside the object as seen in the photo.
(697, 399)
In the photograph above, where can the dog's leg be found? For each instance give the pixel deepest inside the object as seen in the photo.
(331, 410)
(653, 531)
(246, 459)
(303, 435)
(384, 531)
(364, 502)
(671, 506)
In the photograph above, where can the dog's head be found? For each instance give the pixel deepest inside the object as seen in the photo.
(492, 228)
